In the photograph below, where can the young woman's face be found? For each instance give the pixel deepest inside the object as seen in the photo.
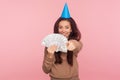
(64, 28)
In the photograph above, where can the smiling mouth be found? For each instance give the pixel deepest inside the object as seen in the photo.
(64, 34)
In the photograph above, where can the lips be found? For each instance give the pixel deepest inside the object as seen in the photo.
(65, 35)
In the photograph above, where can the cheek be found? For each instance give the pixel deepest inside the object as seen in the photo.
(69, 29)
(59, 30)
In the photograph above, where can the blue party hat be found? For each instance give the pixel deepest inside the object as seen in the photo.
(65, 12)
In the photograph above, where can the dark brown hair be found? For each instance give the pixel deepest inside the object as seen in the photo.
(75, 34)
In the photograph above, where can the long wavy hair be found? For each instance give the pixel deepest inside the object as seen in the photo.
(75, 34)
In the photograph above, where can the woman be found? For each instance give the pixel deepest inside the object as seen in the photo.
(60, 65)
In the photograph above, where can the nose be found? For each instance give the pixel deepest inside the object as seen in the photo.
(63, 31)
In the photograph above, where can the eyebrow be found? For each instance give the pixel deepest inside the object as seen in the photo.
(65, 25)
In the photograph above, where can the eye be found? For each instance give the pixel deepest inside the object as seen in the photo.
(60, 27)
(67, 27)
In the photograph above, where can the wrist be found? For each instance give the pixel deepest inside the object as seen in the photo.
(50, 55)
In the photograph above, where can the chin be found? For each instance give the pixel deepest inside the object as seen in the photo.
(66, 36)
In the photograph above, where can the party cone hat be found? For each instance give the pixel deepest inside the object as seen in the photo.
(65, 12)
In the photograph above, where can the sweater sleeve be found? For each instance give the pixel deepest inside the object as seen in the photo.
(78, 45)
(47, 62)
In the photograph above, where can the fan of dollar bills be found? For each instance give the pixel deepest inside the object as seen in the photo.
(56, 39)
